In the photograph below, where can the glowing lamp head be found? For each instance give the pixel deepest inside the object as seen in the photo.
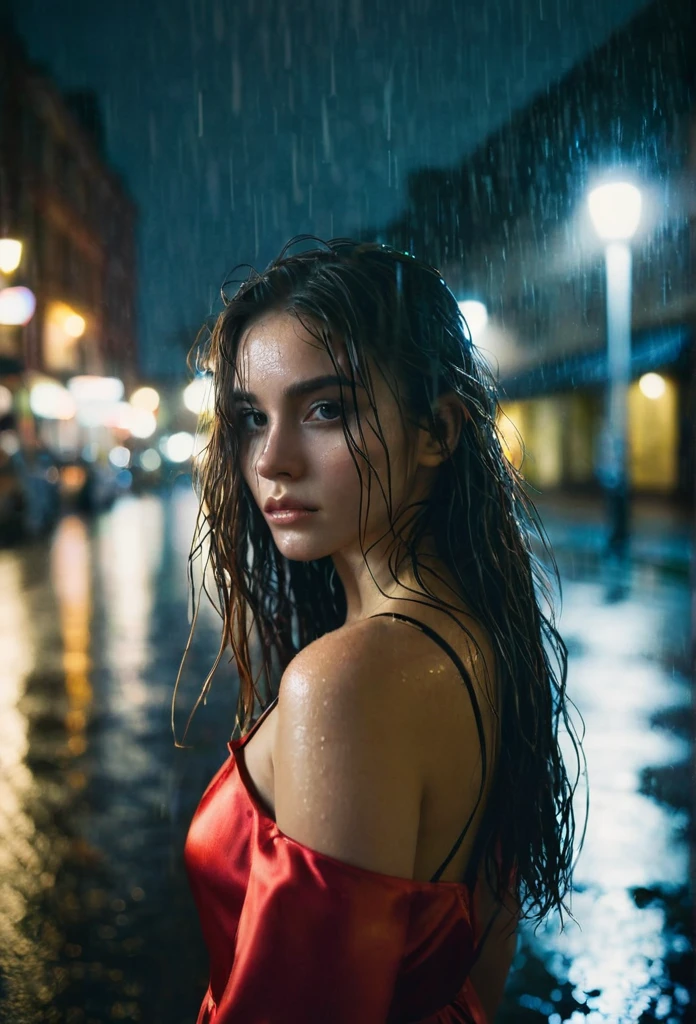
(10, 255)
(615, 210)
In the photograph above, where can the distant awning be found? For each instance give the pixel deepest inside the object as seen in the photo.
(650, 351)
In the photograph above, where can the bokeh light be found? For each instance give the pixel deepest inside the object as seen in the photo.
(179, 447)
(17, 306)
(475, 314)
(119, 456)
(199, 396)
(652, 385)
(145, 398)
(10, 255)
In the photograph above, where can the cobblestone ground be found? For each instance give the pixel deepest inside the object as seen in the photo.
(96, 921)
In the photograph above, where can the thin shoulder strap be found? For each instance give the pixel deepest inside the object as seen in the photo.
(264, 714)
(459, 665)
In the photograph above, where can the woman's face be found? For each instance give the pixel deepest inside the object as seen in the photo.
(293, 448)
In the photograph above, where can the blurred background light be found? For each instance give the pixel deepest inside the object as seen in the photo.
(615, 210)
(95, 389)
(10, 255)
(150, 460)
(652, 385)
(475, 314)
(75, 325)
(146, 399)
(5, 400)
(179, 447)
(119, 456)
(50, 400)
(17, 306)
(9, 442)
(199, 396)
(141, 423)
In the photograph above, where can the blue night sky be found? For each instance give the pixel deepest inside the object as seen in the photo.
(238, 124)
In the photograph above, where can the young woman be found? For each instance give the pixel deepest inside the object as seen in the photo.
(367, 850)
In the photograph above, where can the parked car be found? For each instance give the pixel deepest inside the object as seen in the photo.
(29, 490)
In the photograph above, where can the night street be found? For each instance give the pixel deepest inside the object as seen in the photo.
(96, 921)
(260, 245)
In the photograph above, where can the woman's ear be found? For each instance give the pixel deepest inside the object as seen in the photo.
(436, 447)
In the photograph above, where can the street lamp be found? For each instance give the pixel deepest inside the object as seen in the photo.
(615, 211)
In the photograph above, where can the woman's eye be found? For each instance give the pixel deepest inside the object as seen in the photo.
(250, 419)
(328, 410)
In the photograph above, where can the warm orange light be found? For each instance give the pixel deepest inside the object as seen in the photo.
(146, 399)
(10, 255)
(74, 325)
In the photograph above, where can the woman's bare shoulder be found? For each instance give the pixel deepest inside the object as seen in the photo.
(348, 779)
(351, 680)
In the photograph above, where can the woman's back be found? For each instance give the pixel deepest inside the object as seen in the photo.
(426, 676)
(414, 687)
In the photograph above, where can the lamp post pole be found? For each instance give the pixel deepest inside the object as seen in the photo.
(615, 210)
(618, 280)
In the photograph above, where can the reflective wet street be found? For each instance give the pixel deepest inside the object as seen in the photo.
(96, 921)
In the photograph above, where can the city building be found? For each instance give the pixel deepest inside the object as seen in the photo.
(509, 227)
(76, 224)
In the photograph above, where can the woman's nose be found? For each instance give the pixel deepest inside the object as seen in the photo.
(280, 455)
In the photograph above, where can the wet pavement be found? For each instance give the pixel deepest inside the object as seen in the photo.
(96, 921)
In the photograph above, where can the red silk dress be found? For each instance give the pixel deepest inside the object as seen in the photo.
(297, 937)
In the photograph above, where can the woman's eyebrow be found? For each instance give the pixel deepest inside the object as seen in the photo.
(303, 387)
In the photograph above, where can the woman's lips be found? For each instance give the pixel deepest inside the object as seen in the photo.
(286, 516)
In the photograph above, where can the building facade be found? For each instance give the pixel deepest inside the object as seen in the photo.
(509, 226)
(77, 224)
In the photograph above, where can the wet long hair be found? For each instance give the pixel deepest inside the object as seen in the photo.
(368, 302)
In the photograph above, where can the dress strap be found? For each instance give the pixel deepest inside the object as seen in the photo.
(264, 714)
(466, 678)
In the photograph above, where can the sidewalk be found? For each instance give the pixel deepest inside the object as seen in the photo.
(661, 533)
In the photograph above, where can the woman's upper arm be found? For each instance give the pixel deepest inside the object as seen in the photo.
(348, 779)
